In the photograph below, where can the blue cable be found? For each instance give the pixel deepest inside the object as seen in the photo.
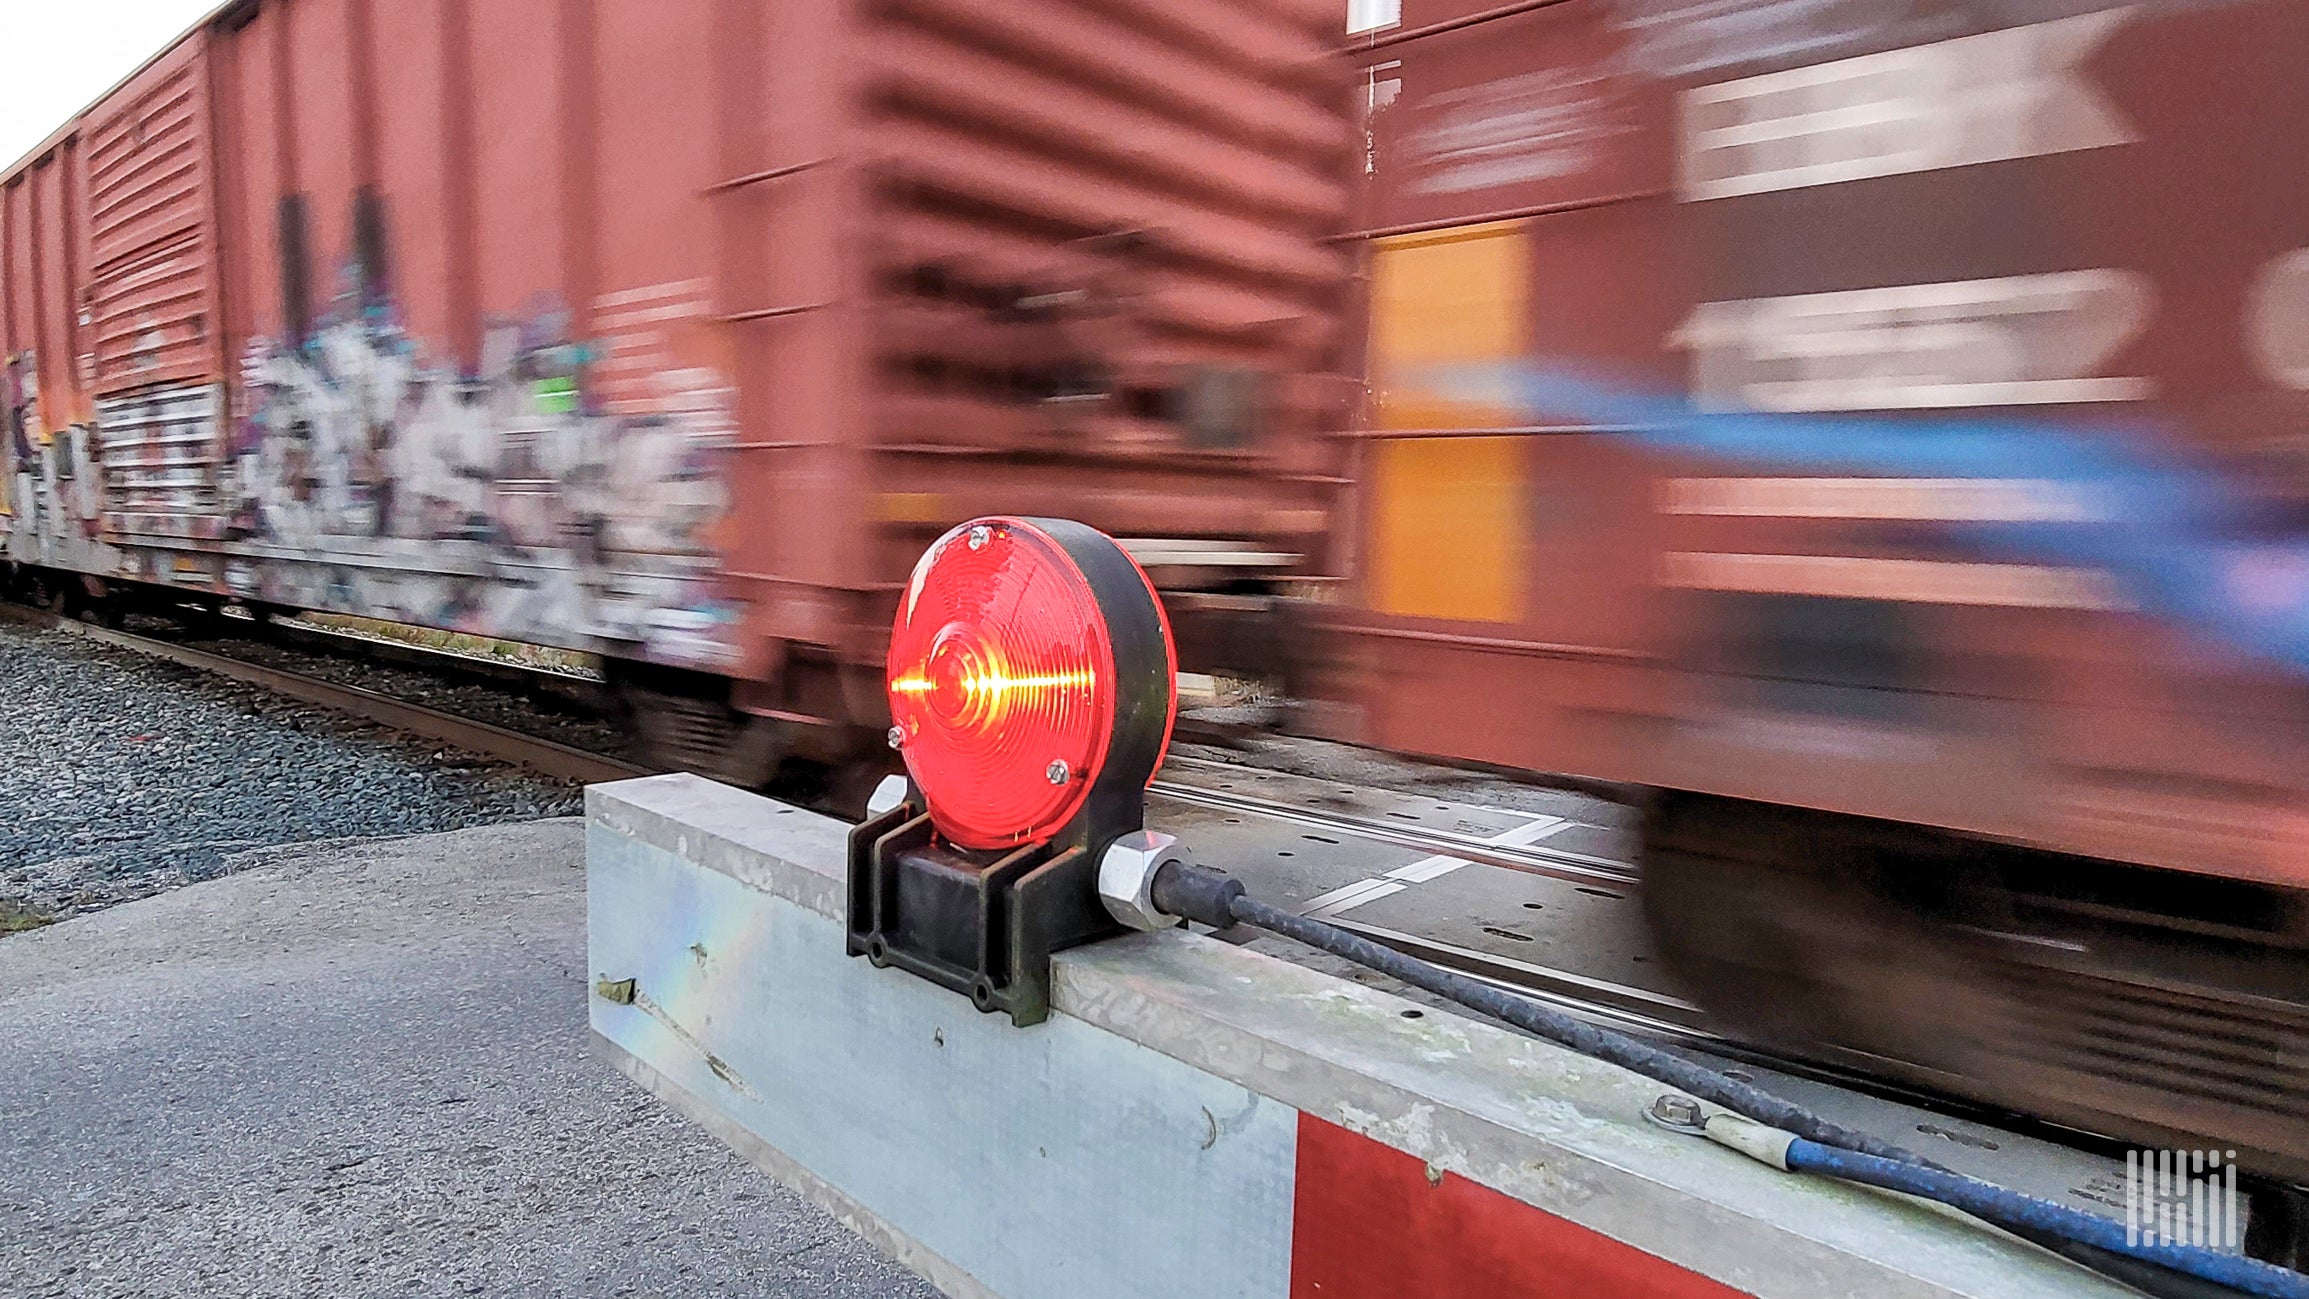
(1217, 899)
(2027, 1213)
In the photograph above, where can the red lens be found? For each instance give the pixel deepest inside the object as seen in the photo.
(1002, 684)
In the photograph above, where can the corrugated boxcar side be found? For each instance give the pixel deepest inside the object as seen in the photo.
(1097, 274)
(1878, 223)
(152, 325)
(53, 496)
(480, 382)
(674, 331)
(1057, 257)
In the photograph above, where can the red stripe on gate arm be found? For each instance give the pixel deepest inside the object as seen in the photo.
(1370, 1224)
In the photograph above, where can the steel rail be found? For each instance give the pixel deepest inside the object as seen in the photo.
(1680, 1024)
(546, 757)
(1657, 1015)
(1662, 1017)
(1600, 1000)
(1553, 863)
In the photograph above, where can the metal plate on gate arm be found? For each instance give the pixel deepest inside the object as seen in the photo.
(1032, 693)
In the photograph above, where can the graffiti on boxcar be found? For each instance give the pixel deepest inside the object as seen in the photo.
(15, 446)
(51, 481)
(564, 492)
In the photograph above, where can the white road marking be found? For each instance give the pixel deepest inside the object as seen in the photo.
(1350, 896)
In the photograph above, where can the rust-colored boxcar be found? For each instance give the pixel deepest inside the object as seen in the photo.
(673, 331)
(1878, 428)
(1762, 277)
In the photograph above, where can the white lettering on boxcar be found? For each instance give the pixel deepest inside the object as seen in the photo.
(2277, 320)
(1916, 581)
(1537, 126)
(1678, 39)
(1373, 15)
(2017, 93)
(1937, 500)
(2020, 340)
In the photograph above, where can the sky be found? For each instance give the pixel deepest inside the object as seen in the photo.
(64, 53)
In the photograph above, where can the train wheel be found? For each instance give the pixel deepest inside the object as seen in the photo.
(1775, 919)
(838, 788)
(2088, 993)
(682, 725)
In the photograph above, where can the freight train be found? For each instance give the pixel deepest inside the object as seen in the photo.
(1882, 427)
(673, 332)
(1873, 428)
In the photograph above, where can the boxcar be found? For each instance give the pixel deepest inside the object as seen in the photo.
(1879, 426)
(673, 331)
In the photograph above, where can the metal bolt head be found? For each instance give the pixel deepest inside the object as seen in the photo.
(979, 536)
(1126, 878)
(897, 737)
(1677, 1111)
(1058, 771)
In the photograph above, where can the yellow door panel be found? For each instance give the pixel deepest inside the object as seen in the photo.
(1447, 529)
(1447, 532)
(1458, 296)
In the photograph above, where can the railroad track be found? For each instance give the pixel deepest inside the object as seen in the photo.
(1606, 1001)
(1603, 1000)
(1571, 867)
(1642, 1010)
(1609, 1002)
(1649, 1012)
(546, 757)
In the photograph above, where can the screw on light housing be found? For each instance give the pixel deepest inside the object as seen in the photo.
(1058, 771)
(979, 536)
(897, 737)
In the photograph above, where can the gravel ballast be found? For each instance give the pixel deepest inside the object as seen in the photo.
(123, 775)
(436, 680)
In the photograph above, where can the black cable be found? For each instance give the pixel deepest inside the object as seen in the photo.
(1200, 893)
(1216, 899)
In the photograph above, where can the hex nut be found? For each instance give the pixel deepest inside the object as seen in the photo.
(1126, 878)
(1679, 1112)
(889, 794)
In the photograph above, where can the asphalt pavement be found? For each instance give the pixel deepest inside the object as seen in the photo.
(363, 1069)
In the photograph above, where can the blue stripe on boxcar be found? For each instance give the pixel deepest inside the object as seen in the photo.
(2183, 541)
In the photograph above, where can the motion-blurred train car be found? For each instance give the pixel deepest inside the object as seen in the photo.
(673, 331)
(1882, 426)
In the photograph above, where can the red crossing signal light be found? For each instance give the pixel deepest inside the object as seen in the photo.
(1004, 685)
